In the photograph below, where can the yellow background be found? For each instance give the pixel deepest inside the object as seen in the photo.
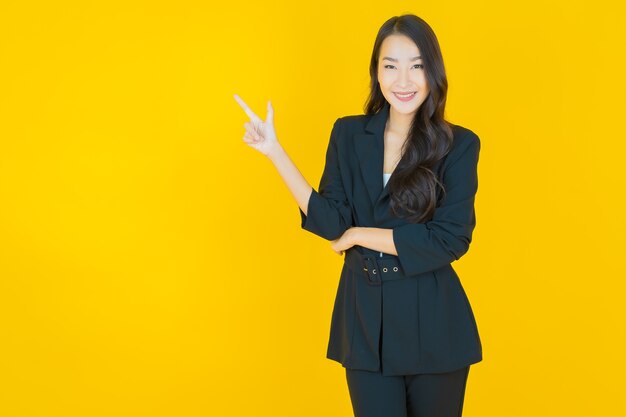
(152, 264)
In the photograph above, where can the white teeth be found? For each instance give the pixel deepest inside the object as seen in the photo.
(404, 95)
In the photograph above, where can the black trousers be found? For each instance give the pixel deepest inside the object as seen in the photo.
(420, 395)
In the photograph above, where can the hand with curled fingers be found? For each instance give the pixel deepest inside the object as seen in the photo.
(260, 134)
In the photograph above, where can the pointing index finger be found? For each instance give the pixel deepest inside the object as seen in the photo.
(247, 109)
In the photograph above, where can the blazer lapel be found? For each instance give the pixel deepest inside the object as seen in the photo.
(370, 150)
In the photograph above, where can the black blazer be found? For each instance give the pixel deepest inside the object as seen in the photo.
(422, 323)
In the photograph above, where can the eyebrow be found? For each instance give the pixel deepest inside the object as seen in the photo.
(415, 58)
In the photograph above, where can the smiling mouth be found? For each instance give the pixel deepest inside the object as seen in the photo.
(405, 96)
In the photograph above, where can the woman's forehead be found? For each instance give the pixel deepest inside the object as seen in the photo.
(399, 47)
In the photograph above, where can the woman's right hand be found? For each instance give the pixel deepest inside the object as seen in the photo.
(260, 135)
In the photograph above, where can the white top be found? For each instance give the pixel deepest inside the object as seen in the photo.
(386, 178)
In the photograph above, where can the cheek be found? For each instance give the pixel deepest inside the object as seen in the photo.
(384, 81)
(421, 80)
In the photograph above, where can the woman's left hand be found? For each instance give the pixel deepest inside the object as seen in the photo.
(345, 242)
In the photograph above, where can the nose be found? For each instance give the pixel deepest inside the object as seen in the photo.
(404, 78)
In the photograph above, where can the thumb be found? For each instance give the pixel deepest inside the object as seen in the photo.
(270, 113)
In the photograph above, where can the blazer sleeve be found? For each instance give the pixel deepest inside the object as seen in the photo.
(329, 213)
(424, 247)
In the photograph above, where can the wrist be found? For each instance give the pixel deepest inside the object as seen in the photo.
(355, 236)
(275, 153)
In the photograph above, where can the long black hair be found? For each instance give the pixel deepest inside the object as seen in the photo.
(413, 187)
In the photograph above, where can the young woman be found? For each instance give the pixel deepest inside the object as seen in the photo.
(397, 198)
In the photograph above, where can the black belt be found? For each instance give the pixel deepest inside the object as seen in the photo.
(377, 269)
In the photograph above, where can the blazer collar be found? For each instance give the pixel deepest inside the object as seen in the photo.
(370, 149)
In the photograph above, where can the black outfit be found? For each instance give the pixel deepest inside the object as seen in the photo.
(420, 395)
(406, 314)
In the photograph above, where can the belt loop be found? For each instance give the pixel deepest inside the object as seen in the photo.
(371, 267)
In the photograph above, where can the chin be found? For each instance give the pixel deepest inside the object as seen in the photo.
(398, 108)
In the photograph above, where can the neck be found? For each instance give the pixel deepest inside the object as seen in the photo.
(399, 122)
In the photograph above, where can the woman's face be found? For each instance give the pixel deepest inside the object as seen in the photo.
(400, 70)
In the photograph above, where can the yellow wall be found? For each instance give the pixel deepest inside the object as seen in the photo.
(152, 263)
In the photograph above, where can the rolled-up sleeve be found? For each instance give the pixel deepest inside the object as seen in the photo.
(424, 247)
(329, 213)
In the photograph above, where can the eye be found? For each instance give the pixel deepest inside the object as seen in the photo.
(416, 65)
